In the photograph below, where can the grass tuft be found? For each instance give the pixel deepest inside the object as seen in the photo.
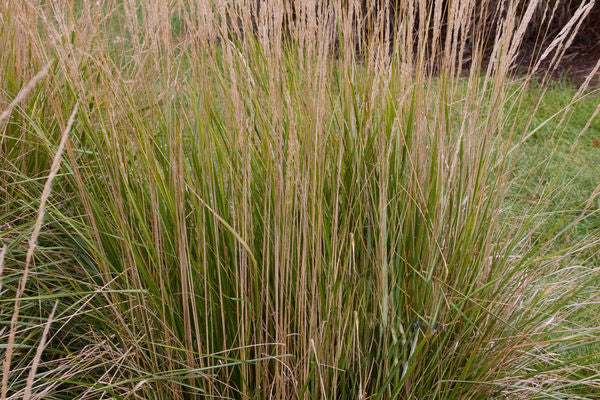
(297, 199)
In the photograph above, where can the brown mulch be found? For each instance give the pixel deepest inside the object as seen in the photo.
(578, 65)
(574, 68)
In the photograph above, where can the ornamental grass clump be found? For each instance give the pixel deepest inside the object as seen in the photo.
(291, 199)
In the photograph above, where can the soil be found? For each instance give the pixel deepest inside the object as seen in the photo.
(577, 65)
(574, 67)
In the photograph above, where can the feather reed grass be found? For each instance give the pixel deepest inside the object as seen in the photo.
(291, 199)
(32, 245)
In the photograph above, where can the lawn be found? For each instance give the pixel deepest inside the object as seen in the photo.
(561, 156)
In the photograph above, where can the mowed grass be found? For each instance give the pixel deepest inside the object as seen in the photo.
(556, 181)
(562, 156)
(291, 201)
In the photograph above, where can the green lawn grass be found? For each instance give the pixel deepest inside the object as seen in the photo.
(562, 157)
